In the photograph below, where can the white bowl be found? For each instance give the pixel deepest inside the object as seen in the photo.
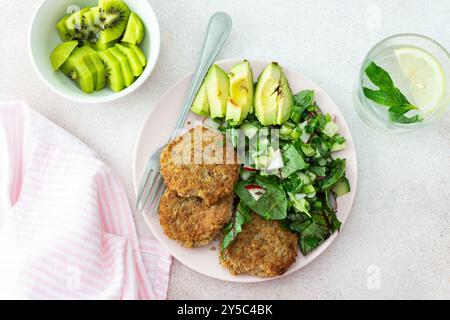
(43, 38)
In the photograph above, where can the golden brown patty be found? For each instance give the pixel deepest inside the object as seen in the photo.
(195, 164)
(262, 249)
(190, 221)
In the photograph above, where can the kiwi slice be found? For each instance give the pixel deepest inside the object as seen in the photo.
(93, 22)
(139, 53)
(134, 32)
(133, 59)
(101, 71)
(74, 22)
(85, 54)
(114, 19)
(76, 69)
(61, 53)
(62, 29)
(114, 78)
(95, 65)
(103, 46)
(128, 77)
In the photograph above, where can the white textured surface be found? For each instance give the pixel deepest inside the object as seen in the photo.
(401, 218)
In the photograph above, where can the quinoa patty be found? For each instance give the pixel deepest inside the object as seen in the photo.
(198, 164)
(190, 221)
(263, 248)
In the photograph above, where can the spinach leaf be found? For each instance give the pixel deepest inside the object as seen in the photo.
(312, 233)
(304, 98)
(337, 171)
(318, 171)
(272, 205)
(389, 95)
(294, 183)
(302, 101)
(233, 228)
(293, 161)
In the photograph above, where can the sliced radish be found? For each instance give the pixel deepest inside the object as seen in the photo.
(256, 191)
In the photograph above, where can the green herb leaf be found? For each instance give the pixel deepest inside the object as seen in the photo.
(385, 98)
(388, 95)
(379, 77)
(400, 118)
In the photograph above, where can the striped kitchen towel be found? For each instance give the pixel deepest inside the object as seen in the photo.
(66, 228)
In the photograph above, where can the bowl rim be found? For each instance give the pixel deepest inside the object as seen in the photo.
(152, 59)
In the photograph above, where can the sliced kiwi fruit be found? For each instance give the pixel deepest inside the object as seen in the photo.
(61, 53)
(62, 29)
(74, 22)
(134, 32)
(114, 19)
(91, 53)
(103, 45)
(95, 65)
(101, 71)
(139, 53)
(128, 77)
(133, 59)
(114, 78)
(76, 69)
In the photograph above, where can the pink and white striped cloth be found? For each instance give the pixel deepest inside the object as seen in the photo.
(66, 228)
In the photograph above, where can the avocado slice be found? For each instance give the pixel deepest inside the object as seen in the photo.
(241, 92)
(273, 97)
(218, 91)
(234, 112)
(201, 104)
(285, 101)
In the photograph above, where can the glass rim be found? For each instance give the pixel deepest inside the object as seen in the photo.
(376, 46)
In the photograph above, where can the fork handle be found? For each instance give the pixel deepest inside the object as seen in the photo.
(219, 28)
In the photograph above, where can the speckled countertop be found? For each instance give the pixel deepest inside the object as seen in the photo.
(396, 243)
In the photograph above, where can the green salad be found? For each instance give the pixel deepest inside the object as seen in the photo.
(288, 171)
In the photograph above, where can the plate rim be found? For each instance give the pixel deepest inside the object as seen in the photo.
(249, 279)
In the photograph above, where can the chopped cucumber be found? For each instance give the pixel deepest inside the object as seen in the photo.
(341, 187)
(250, 130)
(285, 132)
(338, 147)
(308, 150)
(330, 129)
(300, 204)
(304, 178)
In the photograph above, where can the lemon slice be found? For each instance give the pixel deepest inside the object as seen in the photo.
(425, 75)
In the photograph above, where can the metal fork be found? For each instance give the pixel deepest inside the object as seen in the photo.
(151, 186)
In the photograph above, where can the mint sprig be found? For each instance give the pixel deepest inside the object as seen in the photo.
(389, 95)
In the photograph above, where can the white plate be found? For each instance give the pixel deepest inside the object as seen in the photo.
(156, 131)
